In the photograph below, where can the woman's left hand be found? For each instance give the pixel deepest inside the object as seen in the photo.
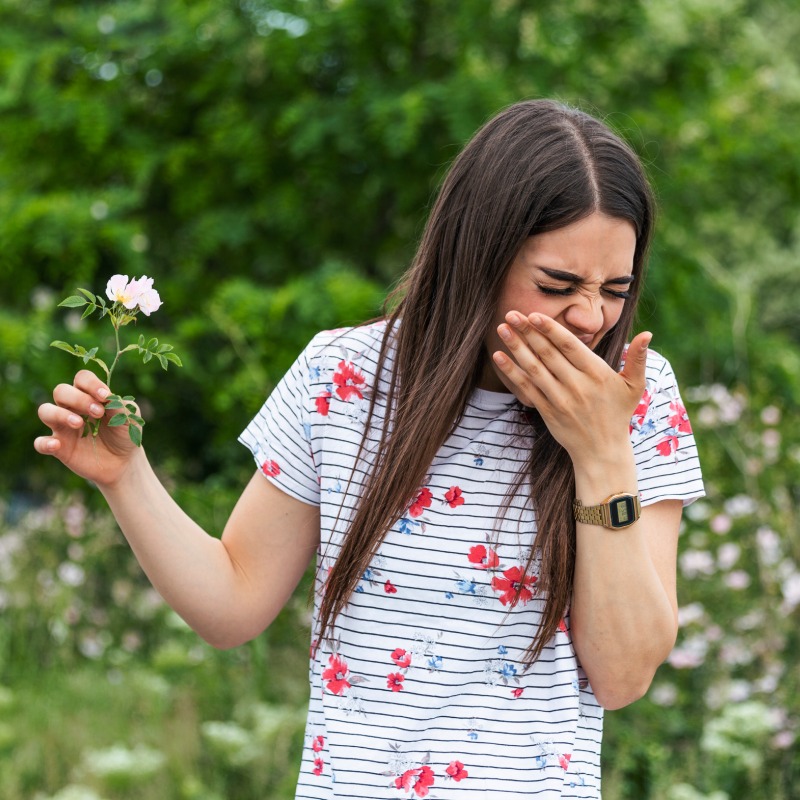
(586, 405)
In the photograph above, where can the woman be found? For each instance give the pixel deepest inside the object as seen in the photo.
(494, 502)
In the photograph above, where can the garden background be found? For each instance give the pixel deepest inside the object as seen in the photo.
(271, 166)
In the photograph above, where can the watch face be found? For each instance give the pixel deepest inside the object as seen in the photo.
(622, 512)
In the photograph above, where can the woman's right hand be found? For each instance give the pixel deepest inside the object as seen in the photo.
(102, 459)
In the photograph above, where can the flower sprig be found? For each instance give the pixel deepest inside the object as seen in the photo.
(128, 299)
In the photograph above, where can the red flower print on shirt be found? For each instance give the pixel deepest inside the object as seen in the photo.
(402, 658)
(668, 445)
(319, 765)
(482, 557)
(323, 403)
(454, 497)
(678, 419)
(517, 692)
(456, 771)
(349, 381)
(394, 681)
(562, 626)
(417, 780)
(336, 674)
(422, 502)
(389, 588)
(510, 583)
(318, 743)
(640, 412)
(271, 468)
(564, 760)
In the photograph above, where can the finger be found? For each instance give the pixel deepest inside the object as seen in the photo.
(548, 353)
(59, 419)
(635, 367)
(550, 334)
(78, 401)
(88, 382)
(523, 381)
(46, 445)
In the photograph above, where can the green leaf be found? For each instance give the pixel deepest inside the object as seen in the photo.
(165, 348)
(73, 302)
(141, 340)
(117, 420)
(135, 418)
(115, 403)
(131, 407)
(129, 397)
(64, 346)
(87, 293)
(88, 311)
(88, 356)
(101, 363)
(136, 435)
(147, 356)
(152, 344)
(129, 347)
(174, 359)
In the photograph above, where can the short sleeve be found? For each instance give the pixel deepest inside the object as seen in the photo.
(667, 463)
(279, 436)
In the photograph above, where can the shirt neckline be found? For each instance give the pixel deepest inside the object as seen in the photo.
(492, 401)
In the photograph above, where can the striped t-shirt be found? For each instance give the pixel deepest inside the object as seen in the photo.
(422, 691)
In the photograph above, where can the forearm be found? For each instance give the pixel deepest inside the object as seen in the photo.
(623, 617)
(191, 570)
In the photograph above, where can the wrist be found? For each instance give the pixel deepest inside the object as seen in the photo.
(595, 480)
(133, 472)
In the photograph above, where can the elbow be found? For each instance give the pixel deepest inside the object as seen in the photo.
(615, 688)
(228, 638)
(615, 697)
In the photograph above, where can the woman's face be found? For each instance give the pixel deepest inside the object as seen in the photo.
(579, 275)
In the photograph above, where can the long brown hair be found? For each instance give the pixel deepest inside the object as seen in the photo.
(535, 167)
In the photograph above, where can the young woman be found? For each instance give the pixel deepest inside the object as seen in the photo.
(491, 485)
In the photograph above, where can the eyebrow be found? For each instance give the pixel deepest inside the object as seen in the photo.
(560, 275)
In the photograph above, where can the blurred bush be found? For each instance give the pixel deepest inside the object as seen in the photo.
(271, 167)
(220, 146)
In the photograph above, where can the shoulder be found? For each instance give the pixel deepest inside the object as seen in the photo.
(346, 343)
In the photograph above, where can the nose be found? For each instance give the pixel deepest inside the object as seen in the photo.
(585, 314)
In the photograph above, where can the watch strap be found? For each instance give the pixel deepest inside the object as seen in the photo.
(628, 510)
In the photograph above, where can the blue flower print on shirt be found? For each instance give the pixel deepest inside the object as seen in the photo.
(509, 670)
(435, 662)
(466, 586)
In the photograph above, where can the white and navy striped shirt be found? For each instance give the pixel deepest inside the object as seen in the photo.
(423, 690)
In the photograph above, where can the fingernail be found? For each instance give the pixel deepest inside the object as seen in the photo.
(514, 318)
(75, 420)
(535, 320)
(51, 445)
(103, 393)
(504, 332)
(96, 410)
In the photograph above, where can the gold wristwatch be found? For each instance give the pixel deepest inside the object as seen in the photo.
(618, 511)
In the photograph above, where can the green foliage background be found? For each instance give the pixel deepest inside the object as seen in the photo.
(271, 166)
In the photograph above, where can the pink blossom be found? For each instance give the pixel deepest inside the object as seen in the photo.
(721, 524)
(137, 292)
(738, 579)
(120, 290)
(149, 302)
(728, 555)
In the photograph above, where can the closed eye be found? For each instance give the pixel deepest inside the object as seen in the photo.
(568, 290)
